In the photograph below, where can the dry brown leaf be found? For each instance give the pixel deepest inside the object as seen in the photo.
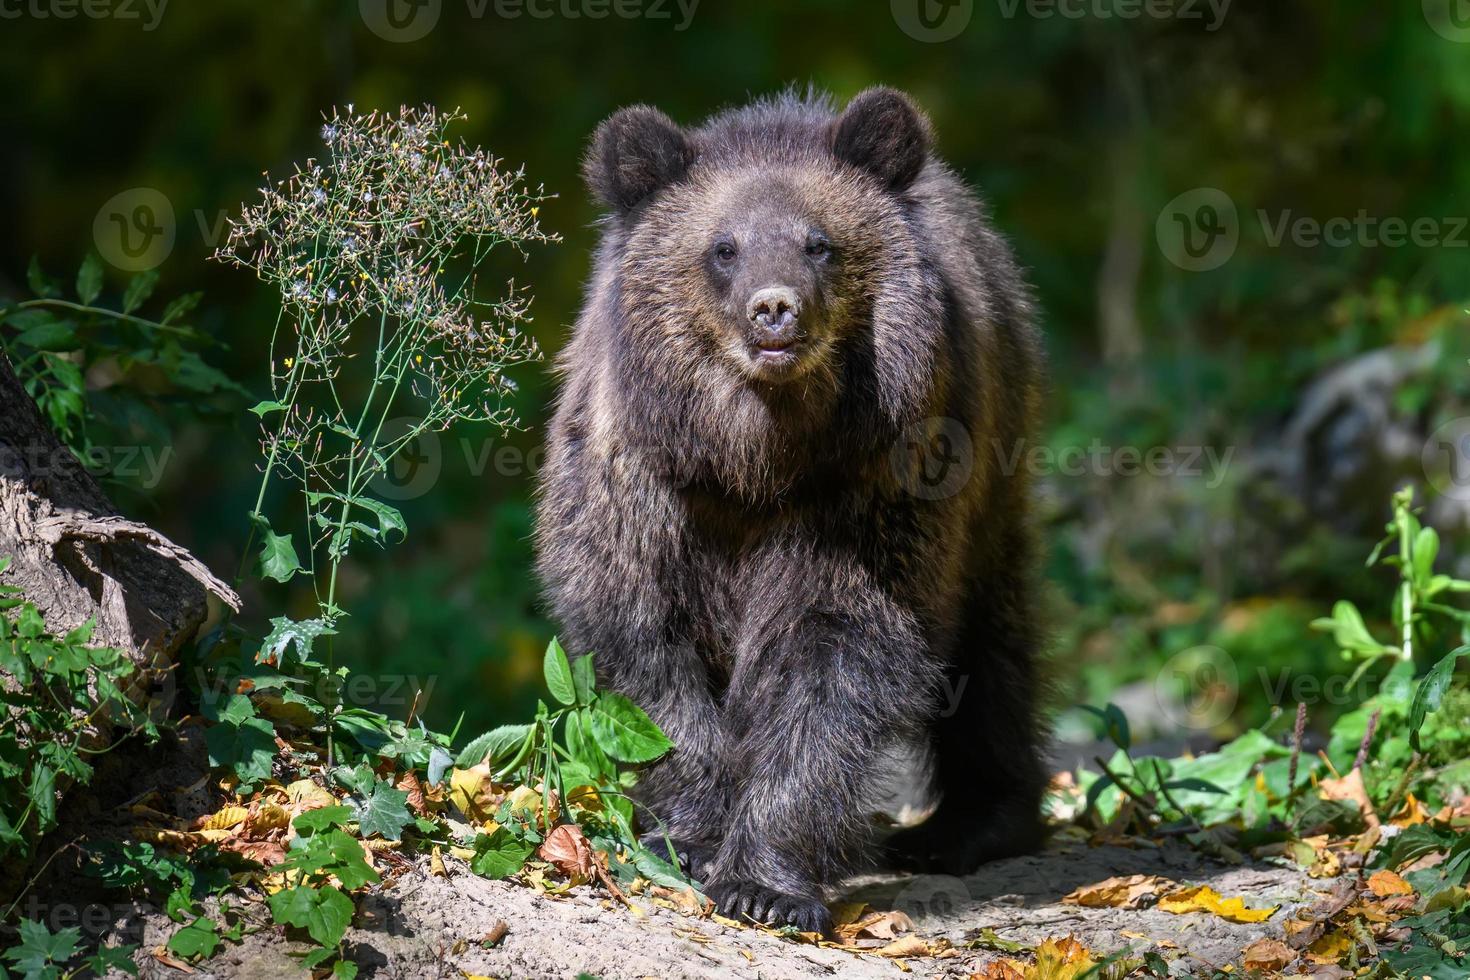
(305, 794)
(566, 848)
(409, 783)
(1002, 970)
(1130, 892)
(266, 818)
(875, 925)
(1268, 955)
(436, 862)
(161, 955)
(1412, 812)
(1350, 788)
(1386, 883)
(1203, 898)
(906, 946)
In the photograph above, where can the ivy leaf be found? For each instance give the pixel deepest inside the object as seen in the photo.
(625, 732)
(247, 747)
(285, 632)
(140, 287)
(558, 672)
(499, 855)
(199, 938)
(1430, 692)
(384, 813)
(323, 912)
(323, 818)
(496, 744)
(89, 280)
(278, 559)
(40, 947)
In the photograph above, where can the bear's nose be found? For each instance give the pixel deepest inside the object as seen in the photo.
(774, 310)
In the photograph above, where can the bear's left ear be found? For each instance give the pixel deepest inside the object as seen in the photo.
(882, 132)
(635, 153)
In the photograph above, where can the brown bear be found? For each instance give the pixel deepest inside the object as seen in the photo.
(775, 501)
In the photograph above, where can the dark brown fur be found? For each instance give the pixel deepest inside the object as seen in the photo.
(734, 527)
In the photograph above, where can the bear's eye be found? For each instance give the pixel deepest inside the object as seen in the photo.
(818, 247)
(725, 252)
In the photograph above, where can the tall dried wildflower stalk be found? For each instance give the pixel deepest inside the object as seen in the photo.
(375, 251)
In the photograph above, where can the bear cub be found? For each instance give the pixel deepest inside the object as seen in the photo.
(776, 502)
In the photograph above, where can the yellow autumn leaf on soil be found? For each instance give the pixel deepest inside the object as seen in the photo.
(1205, 899)
(224, 818)
(307, 795)
(1130, 892)
(1332, 948)
(907, 946)
(1386, 883)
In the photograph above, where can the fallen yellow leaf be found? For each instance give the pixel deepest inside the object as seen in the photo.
(1205, 899)
(224, 818)
(1386, 883)
(1332, 948)
(1130, 892)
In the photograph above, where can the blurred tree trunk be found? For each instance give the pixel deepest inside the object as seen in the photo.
(76, 558)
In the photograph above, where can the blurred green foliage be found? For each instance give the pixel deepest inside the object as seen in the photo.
(1080, 131)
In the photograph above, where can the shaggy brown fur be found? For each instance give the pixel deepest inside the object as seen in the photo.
(741, 512)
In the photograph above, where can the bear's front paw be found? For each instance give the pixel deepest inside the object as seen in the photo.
(746, 899)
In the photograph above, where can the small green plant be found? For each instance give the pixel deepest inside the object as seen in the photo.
(324, 865)
(60, 689)
(586, 772)
(102, 374)
(45, 955)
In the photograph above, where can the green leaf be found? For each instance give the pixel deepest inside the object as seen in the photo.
(584, 678)
(323, 818)
(40, 947)
(344, 970)
(384, 813)
(558, 672)
(140, 287)
(285, 632)
(1426, 549)
(199, 938)
(1430, 693)
(42, 793)
(89, 280)
(265, 408)
(323, 912)
(389, 518)
(624, 732)
(52, 335)
(118, 958)
(1349, 630)
(495, 745)
(40, 284)
(583, 745)
(247, 747)
(278, 559)
(183, 305)
(500, 854)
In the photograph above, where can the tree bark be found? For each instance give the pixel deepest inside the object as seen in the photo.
(77, 559)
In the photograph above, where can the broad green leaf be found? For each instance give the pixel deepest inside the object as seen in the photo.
(495, 745)
(1430, 693)
(323, 912)
(40, 284)
(89, 280)
(323, 818)
(583, 745)
(499, 855)
(199, 938)
(248, 748)
(40, 946)
(559, 673)
(584, 678)
(140, 287)
(118, 958)
(52, 335)
(265, 408)
(624, 732)
(1349, 630)
(278, 559)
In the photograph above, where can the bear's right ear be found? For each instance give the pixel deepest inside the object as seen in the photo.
(635, 153)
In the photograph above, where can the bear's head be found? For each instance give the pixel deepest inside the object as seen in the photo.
(760, 240)
(765, 268)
